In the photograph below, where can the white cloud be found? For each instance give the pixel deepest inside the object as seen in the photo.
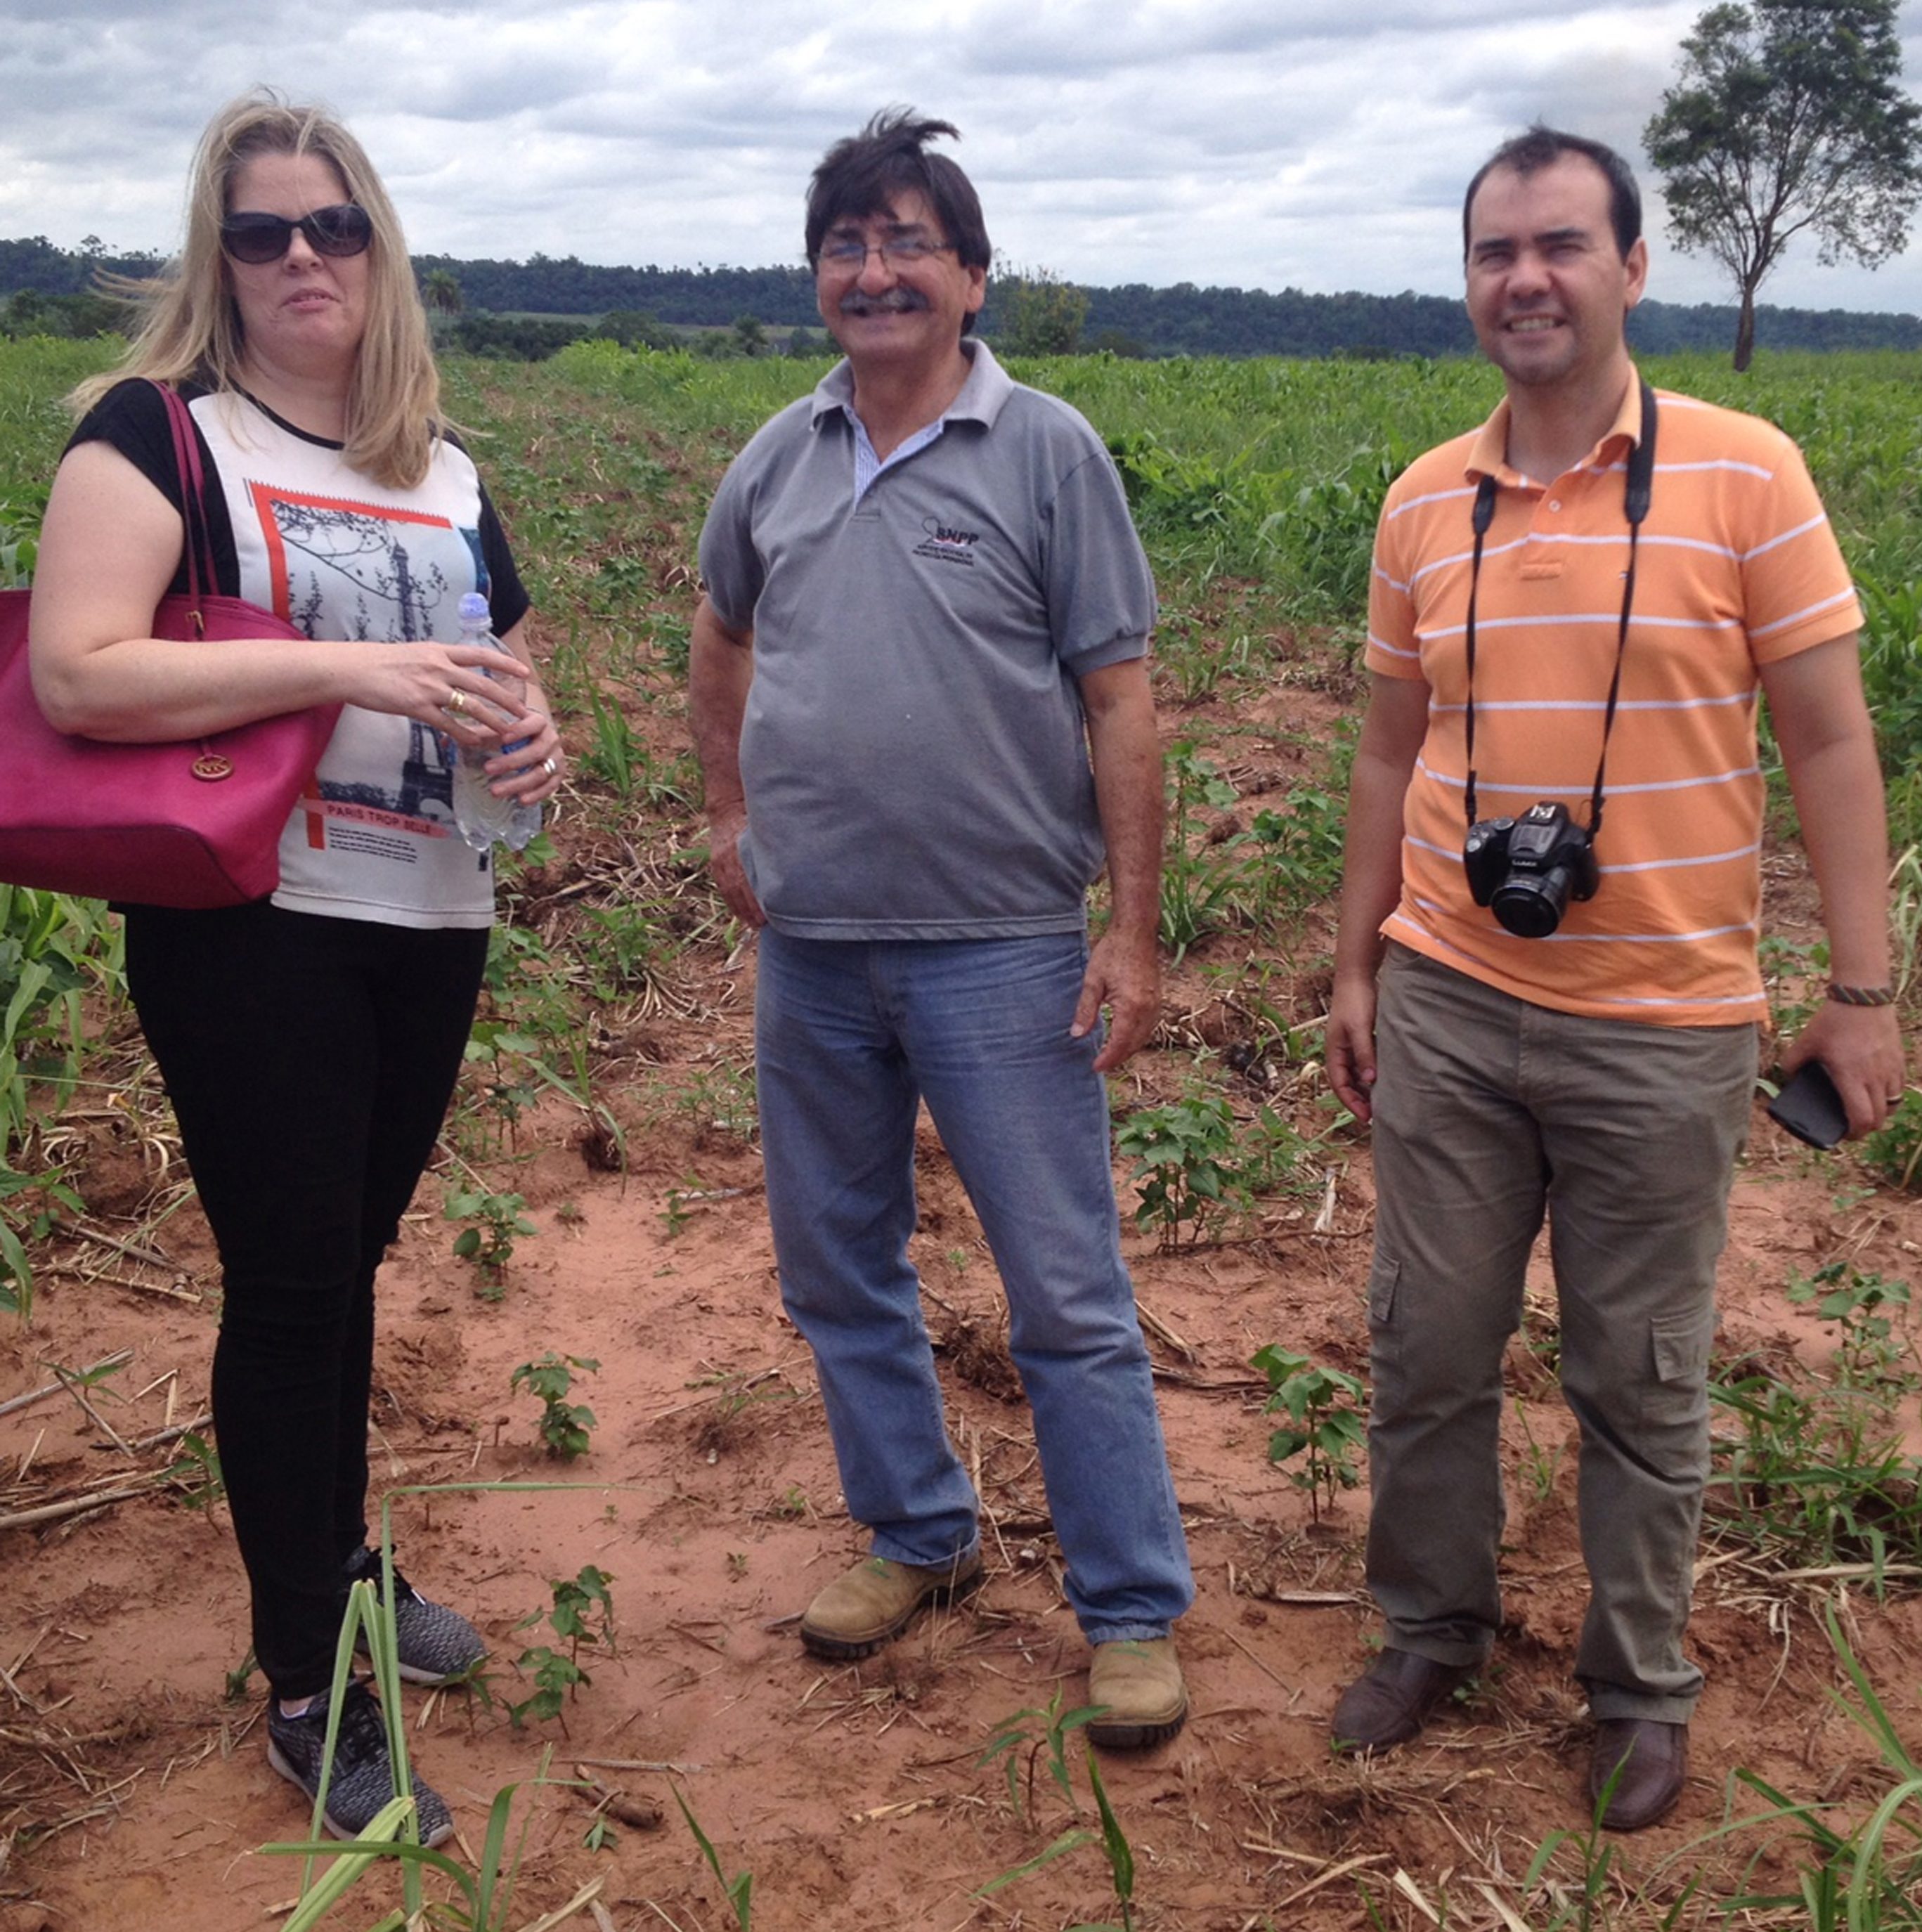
(1318, 144)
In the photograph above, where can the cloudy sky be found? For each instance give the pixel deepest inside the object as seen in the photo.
(1314, 144)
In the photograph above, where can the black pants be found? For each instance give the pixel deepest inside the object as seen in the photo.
(309, 1061)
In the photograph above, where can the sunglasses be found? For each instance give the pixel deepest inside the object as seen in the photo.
(344, 229)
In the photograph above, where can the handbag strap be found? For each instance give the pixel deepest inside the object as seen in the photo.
(199, 546)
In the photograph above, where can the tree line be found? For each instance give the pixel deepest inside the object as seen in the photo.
(560, 299)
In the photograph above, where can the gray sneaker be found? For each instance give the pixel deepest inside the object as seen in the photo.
(435, 1645)
(363, 1780)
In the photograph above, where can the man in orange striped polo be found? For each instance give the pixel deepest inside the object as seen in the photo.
(1566, 639)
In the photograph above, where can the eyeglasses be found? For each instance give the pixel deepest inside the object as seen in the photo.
(899, 251)
(344, 229)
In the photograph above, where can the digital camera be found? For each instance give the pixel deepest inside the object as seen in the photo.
(1527, 869)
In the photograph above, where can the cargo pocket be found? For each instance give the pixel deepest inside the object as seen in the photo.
(1384, 1278)
(1677, 1395)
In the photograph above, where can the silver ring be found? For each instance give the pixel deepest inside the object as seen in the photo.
(457, 700)
(548, 765)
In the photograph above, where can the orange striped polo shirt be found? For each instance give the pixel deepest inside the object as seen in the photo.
(1737, 567)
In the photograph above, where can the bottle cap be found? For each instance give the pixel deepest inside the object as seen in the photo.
(474, 608)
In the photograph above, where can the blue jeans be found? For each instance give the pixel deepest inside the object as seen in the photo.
(851, 1036)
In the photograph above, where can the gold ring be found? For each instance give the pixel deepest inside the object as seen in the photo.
(457, 700)
(548, 765)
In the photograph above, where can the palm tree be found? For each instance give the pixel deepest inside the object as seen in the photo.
(441, 292)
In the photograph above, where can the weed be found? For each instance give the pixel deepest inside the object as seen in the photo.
(1905, 909)
(1791, 972)
(16, 1270)
(564, 1425)
(498, 1223)
(241, 1675)
(674, 1216)
(1299, 844)
(1325, 1418)
(1817, 1475)
(720, 1099)
(1595, 1856)
(622, 949)
(1894, 1150)
(196, 1472)
(674, 641)
(1200, 888)
(53, 951)
(1869, 1878)
(1270, 1157)
(1868, 1311)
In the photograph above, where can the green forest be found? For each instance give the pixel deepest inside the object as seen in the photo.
(52, 291)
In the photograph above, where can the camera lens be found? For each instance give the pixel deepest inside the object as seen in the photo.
(1531, 905)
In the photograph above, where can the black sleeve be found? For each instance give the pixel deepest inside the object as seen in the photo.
(507, 595)
(132, 418)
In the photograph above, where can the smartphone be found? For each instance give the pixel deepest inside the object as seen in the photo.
(1810, 1107)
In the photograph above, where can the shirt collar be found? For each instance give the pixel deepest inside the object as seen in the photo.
(987, 387)
(1488, 455)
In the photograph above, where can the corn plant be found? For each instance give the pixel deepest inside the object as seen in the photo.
(738, 1890)
(1043, 1731)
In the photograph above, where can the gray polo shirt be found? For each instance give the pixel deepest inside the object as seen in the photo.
(914, 753)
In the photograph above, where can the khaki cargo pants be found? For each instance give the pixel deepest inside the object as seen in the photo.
(1491, 1114)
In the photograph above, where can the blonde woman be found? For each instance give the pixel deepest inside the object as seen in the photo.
(309, 1042)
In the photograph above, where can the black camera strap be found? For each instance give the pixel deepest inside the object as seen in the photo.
(1635, 498)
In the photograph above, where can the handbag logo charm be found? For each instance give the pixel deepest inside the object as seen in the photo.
(212, 766)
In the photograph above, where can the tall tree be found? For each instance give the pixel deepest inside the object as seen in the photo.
(1789, 116)
(440, 289)
(1037, 313)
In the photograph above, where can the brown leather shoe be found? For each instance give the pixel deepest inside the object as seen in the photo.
(1139, 1686)
(1389, 1704)
(1653, 1759)
(859, 1611)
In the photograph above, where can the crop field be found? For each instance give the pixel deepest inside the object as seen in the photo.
(597, 1433)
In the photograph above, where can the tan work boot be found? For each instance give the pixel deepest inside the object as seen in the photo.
(1140, 1685)
(877, 1599)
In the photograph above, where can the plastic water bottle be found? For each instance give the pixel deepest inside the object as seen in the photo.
(482, 818)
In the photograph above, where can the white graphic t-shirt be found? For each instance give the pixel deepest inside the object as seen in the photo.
(341, 556)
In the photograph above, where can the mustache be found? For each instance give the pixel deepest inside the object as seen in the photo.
(895, 302)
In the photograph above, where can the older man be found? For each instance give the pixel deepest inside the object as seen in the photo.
(1573, 607)
(921, 699)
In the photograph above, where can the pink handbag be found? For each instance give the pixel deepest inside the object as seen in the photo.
(196, 822)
